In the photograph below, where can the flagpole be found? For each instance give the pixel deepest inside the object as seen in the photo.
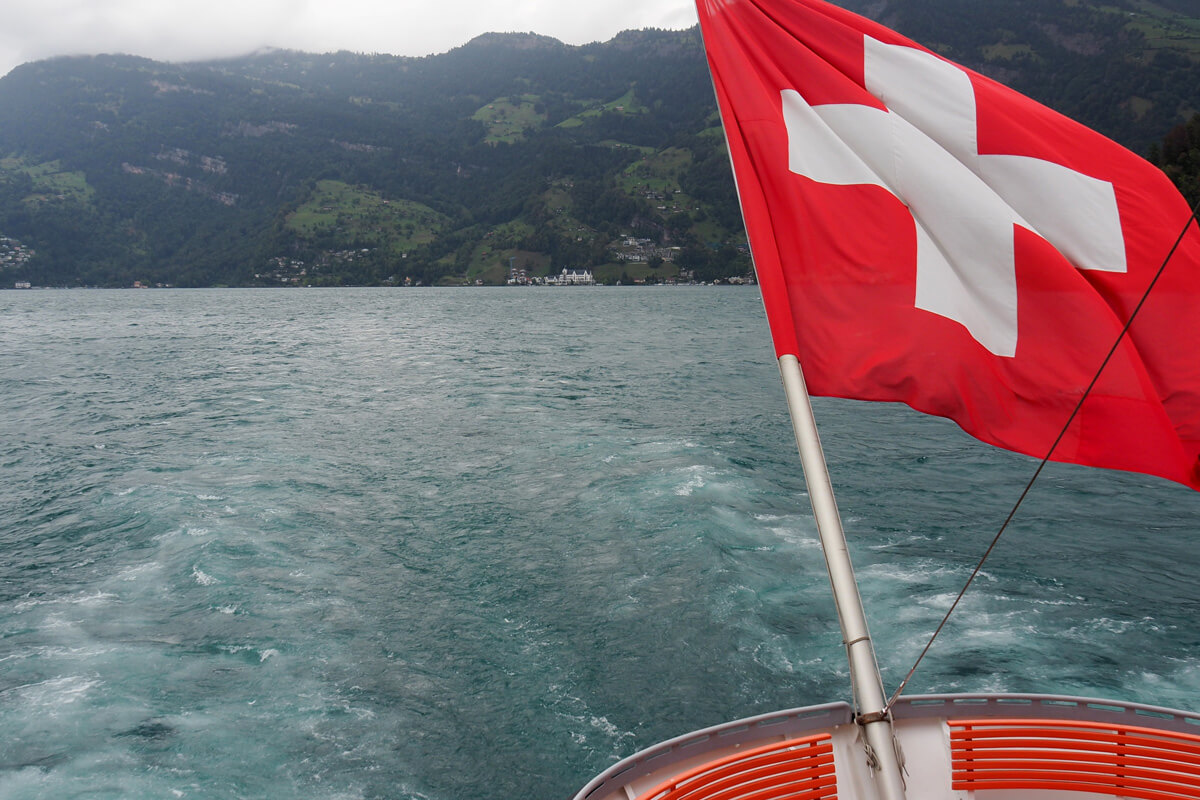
(867, 684)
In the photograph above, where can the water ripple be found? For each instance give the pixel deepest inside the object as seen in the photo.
(451, 544)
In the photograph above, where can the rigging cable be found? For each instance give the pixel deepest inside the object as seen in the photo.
(1195, 217)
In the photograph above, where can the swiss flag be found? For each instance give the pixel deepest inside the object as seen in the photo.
(923, 234)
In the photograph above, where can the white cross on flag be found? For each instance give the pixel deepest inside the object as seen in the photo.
(923, 234)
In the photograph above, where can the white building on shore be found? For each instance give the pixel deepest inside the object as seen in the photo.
(572, 277)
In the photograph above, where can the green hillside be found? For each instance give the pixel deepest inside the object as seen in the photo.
(512, 151)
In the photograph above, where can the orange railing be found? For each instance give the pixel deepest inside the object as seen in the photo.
(1080, 756)
(798, 769)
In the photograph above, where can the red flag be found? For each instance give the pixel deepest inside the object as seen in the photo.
(926, 235)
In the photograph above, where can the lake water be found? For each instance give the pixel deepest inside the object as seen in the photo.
(479, 544)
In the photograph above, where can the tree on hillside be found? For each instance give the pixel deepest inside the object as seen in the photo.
(1179, 157)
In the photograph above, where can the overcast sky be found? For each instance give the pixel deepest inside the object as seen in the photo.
(186, 30)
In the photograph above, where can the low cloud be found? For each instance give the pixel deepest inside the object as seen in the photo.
(188, 30)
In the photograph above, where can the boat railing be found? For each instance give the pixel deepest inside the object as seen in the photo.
(792, 768)
(699, 745)
(675, 756)
(1057, 755)
(1045, 706)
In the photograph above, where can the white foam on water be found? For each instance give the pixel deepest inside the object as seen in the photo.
(1176, 684)
(699, 476)
(605, 726)
(138, 571)
(97, 598)
(1034, 601)
(777, 656)
(1110, 627)
(895, 540)
(405, 794)
(94, 599)
(803, 539)
(992, 630)
(52, 694)
(203, 578)
(943, 600)
(26, 782)
(57, 652)
(924, 572)
(587, 726)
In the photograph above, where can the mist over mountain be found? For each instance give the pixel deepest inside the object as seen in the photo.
(512, 152)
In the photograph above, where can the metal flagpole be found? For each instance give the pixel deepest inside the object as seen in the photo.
(867, 684)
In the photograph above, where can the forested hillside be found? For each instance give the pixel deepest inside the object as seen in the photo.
(513, 152)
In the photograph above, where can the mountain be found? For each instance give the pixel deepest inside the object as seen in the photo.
(514, 151)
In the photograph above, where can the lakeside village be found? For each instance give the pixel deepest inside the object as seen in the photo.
(14, 255)
(283, 271)
(293, 272)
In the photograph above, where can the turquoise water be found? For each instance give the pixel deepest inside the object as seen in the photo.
(475, 544)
